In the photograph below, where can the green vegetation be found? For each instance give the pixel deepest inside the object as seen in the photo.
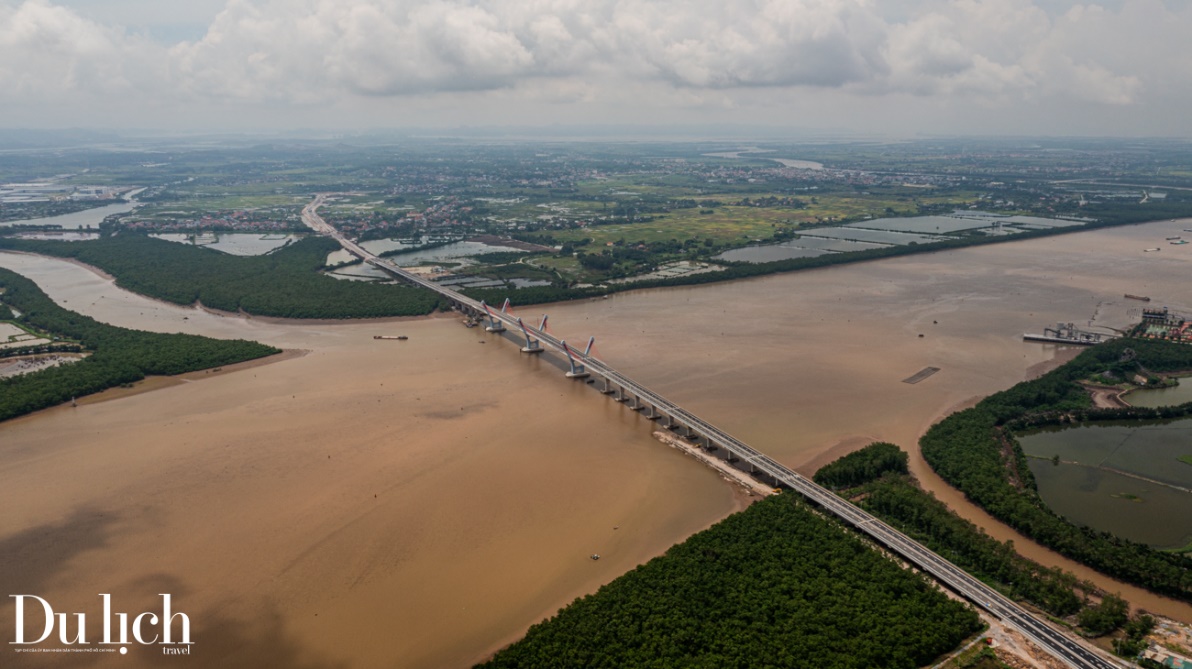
(1134, 641)
(1186, 459)
(1105, 617)
(877, 480)
(977, 657)
(286, 284)
(862, 466)
(118, 355)
(775, 585)
(975, 451)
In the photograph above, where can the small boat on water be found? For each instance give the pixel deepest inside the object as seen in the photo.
(1171, 238)
(1179, 242)
(595, 556)
(1142, 298)
(1152, 250)
(399, 337)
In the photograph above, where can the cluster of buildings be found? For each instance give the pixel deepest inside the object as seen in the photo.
(233, 221)
(1162, 324)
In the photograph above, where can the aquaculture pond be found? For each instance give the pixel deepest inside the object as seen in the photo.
(1162, 397)
(1132, 479)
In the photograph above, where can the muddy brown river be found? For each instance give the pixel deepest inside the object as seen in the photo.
(419, 503)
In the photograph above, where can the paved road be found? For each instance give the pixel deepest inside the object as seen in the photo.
(1068, 649)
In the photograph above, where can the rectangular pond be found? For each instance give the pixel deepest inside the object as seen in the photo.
(885, 237)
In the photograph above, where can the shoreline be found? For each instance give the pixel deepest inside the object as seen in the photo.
(152, 383)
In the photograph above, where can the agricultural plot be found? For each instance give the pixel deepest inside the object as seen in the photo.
(1033, 221)
(12, 336)
(834, 245)
(769, 253)
(931, 225)
(874, 236)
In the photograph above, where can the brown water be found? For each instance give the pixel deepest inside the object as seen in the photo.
(370, 504)
(251, 495)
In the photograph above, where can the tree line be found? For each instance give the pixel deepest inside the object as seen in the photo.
(118, 355)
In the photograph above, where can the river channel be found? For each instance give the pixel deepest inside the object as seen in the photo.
(420, 503)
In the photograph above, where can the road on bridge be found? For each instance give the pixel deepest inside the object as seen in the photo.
(1070, 650)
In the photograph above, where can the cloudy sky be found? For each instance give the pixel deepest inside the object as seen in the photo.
(884, 67)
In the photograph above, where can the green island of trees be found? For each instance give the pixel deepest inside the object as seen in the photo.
(975, 451)
(285, 284)
(777, 585)
(117, 355)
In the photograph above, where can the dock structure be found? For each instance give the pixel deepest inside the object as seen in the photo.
(712, 439)
(1068, 333)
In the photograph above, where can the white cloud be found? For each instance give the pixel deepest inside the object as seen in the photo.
(48, 52)
(699, 53)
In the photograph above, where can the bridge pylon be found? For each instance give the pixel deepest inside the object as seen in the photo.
(577, 370)
(532, 345)
(494, 324)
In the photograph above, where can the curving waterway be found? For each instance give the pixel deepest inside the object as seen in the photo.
(420, 503)
(85, 218)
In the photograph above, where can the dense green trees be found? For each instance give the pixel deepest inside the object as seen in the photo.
(285, 283)
(776, 585)
(1105, 617)
(118, 355)
(861, 466)
(974, 451)
(876, 476)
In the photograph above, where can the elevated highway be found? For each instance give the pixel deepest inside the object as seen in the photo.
(1070, 650)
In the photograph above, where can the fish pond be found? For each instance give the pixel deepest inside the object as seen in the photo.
(1132, 479)
(1162, 397)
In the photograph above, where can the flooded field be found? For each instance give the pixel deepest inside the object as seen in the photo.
(420, 503)
(880, 232)
(453, 252)
(1130, 479)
